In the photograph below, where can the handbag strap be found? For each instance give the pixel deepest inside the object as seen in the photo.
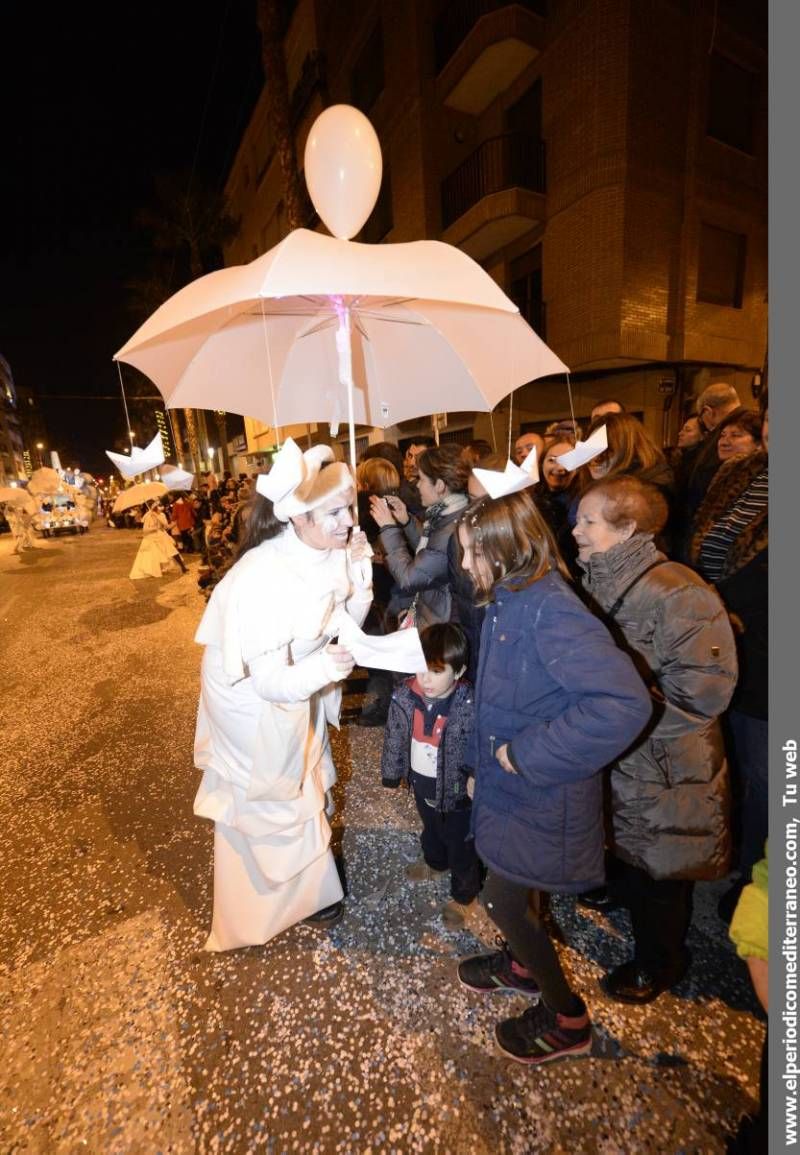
(612, 613)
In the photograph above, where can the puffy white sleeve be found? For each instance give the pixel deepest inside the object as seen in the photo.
(275, 680)
(242, 620)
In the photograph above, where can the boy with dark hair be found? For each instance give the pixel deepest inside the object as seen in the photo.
(429, 723)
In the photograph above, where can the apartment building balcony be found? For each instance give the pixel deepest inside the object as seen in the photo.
(482, 46)
(496, 195)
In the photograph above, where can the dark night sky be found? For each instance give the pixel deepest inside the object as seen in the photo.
(89, 112)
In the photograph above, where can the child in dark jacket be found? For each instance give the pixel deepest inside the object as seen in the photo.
(429, 723)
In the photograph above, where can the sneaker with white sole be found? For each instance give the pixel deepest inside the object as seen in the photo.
(497, 971)
(540, 1035)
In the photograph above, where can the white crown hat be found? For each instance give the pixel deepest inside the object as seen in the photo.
(175, 478)
(513, 478)
(585, 451)
(297, 482)
(139, 460)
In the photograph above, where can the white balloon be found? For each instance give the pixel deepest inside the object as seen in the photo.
(343, 168)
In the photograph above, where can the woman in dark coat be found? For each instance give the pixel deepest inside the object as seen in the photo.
(417, 557)
(556, 701)
(377, 476)
(729, 547)
(669, 792)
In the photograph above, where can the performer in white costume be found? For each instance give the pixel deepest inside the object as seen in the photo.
(20, 523)
(157, 548)
(269, 688)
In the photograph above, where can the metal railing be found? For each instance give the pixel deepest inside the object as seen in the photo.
(513, 160)
(457, 21)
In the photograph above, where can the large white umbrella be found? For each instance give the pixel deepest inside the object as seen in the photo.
(320, 328)
(17, 498)
(138, 494)
(430, 331)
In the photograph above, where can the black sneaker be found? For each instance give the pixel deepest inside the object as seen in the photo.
(540, 1035)
(634, 983)
(598, 899)
(328, 916)
(497, 971)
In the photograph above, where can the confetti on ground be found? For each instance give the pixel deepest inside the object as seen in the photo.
(121, 1035)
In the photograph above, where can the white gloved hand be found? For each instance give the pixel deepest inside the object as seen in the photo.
(360, 563)
(338, 661)
(276, 681)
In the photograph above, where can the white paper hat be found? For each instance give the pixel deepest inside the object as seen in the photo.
(513, 478)
(176, 479)
(297, 483)
(139, 460)
(585, 450)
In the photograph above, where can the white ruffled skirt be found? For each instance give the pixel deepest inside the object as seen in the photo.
(155, 552)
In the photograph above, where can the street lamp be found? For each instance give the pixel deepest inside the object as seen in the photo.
(40, 447)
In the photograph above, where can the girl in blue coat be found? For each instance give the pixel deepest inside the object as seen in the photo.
(556, 701)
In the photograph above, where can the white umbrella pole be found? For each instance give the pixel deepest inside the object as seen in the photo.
(345, 355)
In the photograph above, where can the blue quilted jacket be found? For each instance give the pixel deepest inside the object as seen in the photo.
(552, 684)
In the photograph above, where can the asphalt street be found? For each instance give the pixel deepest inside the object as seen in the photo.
(120, 1034)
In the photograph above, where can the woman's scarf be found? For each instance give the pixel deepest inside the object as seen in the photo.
(451, 503)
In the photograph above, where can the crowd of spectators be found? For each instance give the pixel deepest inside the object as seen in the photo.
(686, 526)
(613, 621)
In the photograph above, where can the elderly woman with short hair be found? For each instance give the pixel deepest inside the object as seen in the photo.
(669, 791)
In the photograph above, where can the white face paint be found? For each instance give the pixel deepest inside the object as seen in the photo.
(329, 525)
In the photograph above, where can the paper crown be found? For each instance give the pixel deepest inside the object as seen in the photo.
(297, 483)
(513, 478)
(139, 460)
(176, 479)
(585, 450)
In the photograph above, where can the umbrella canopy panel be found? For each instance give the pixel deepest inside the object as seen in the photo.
(138, 494)
(431, 331)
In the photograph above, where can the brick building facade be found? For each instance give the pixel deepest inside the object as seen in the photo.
(604, 160)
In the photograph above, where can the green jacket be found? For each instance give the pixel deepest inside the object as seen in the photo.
(750, 924)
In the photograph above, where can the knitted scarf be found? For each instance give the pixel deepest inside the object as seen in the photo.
(452, 503)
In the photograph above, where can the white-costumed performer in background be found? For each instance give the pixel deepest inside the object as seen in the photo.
(157, 549)
(269, 688)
